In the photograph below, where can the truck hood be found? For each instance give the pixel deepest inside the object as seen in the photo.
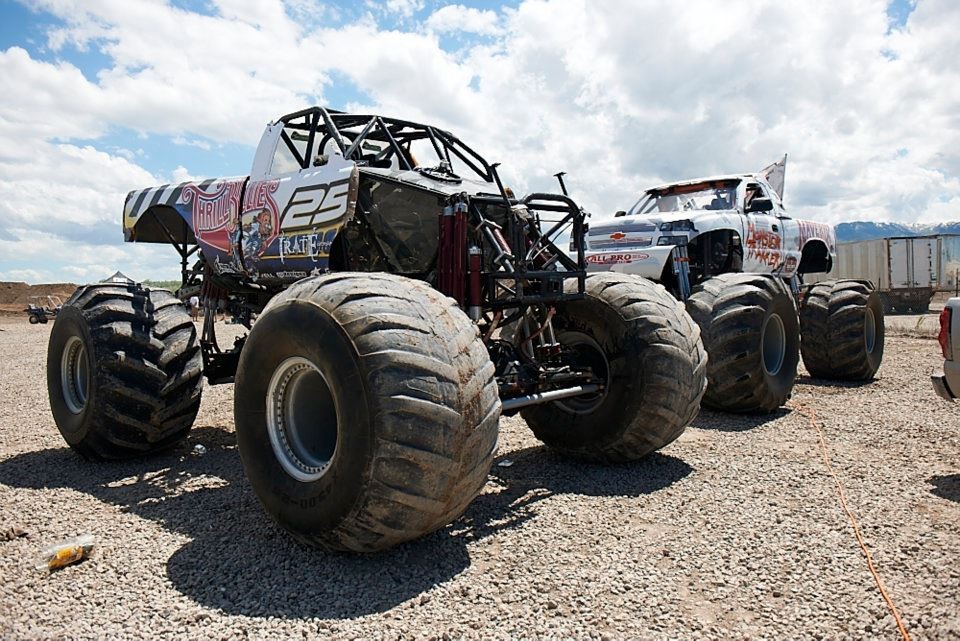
(628, 232)
(649, 223)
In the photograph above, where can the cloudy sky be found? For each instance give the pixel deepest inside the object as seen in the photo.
(98, 97)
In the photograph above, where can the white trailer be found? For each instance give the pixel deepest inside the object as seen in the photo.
(950, 263)
(905, 270)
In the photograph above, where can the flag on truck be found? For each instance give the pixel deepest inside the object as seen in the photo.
(774, 175)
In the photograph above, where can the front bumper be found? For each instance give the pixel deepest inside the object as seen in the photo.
(940, 387)
(646, 261)
(947, 385)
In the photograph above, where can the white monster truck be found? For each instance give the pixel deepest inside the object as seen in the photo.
(727, 246)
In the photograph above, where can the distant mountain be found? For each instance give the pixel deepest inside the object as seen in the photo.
(847, 232)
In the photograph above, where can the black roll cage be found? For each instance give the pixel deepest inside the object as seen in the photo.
(523, 280)
(349, 131)
(524, 286)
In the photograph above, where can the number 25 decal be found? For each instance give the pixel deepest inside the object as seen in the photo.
(316, 204)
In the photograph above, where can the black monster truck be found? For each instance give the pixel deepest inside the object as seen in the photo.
(403, 299)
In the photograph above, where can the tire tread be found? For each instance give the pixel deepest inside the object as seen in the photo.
(432, 453)
(730, 309)
(147, 366)
(831, 319)
(673, 380)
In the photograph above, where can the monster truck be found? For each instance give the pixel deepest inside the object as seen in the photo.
(404, 299)
(727, 247)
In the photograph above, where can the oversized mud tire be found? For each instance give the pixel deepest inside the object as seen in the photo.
(124, 371)
(34, 319)
(648, 351)
(842, 330)
(366, 410)
(752, 334)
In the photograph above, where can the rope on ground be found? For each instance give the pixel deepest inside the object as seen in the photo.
(811, 415)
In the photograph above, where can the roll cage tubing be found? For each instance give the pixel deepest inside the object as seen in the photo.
(529, 246)
(394, 132)
(529, 286)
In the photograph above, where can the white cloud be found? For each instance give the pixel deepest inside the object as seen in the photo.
(182, 175)
(47, 101)
(183, 141)
(456, 17)
(27, 275)
(619, 94)
(405, 8)
(174, 72)
(48, 186)
(51, 258)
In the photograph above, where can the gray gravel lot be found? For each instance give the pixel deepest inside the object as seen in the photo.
(734, 531)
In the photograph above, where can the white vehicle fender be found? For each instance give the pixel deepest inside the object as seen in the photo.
(726, 221)
(810, 231)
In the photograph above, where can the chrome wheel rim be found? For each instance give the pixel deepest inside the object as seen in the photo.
(773, 345)
(870, 331)
(75, 374)
(302, 419)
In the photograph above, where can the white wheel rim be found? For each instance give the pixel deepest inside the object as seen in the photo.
(302, 419)
(773, 345)
(75, 374)
(870, 331)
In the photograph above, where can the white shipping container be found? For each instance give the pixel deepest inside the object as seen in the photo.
(863, 260)
(949, 262)
(901, 263)
(914, 262)
(905, 270)
(890, 263)
(926, 262)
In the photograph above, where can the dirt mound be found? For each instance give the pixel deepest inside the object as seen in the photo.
(15, 296)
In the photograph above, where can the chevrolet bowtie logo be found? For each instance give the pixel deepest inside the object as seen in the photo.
(618, 235)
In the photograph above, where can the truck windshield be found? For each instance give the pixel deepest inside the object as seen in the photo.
(713, 198)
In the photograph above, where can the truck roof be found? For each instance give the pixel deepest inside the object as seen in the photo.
(706, 179)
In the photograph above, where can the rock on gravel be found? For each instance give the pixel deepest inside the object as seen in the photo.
(732, 532)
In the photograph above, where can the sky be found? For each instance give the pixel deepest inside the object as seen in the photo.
(100, 97)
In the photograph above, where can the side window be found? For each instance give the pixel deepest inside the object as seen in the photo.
(379, 153)
(284, 160)
(422, 154)
(328, 146)
(754, 190)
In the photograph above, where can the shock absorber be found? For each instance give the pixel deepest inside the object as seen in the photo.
(474, 266)
(459, 249)
(443, 253)
(452, 252)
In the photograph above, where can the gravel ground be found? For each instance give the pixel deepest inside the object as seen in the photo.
(734, 531)
(914, 325)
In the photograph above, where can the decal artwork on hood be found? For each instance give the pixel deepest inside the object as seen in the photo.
(214, 213)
